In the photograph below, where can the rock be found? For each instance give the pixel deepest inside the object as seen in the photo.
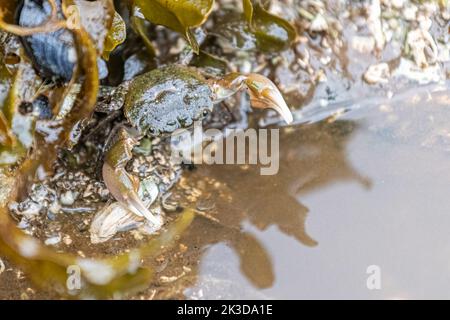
(67, 198)
(408, 69)
(423, 46)
(374, 24)
(377, 73)
(53, 240)
(67, 240)
(398, 4)
(319, 24)
(148, 190)
(2, 266)
(31, 210)
(54, 208)
(363, 44)
(38, 193)
(409, 12)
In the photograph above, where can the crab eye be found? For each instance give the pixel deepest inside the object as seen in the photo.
(153, 131)
(182, 119)
(171, 123)
(205, 112)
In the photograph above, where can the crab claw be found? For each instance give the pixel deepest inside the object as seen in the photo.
(123, 187)
(265, 94)
(119, 182)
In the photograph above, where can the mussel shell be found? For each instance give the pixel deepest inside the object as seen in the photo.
(53, 54)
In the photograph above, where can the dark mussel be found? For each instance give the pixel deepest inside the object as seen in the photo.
(39, 107)
(53, 53)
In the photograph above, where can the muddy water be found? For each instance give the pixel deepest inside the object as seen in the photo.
(362, 182)
(370, 187)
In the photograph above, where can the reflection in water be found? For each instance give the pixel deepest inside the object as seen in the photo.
(398, 219)
(311, 157)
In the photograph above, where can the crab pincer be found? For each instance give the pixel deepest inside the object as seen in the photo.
(122, 185)
(263, 93)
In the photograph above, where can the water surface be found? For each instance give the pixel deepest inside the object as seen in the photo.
(371, 187)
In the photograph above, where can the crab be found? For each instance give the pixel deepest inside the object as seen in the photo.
(162, 101)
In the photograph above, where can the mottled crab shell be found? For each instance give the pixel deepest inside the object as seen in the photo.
(167, 99)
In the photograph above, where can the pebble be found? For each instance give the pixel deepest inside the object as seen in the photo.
(169, 204)
(32, 210)
(81, 254)
(183, 248)
(55, 207)
(137, 235)
(377, 73)
(23, 224)
(24, 296)
(319, 24)
(409, 12)
(53, 240)
(67, 240)
(363, 44)
(38, 193)
(67, 198)
(2, 266)
(104, 193)
(398, 4)
(88, 192)
(205, 205)
(149, 188)
(82, 227)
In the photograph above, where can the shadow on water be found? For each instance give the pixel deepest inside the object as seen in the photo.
(311, 157)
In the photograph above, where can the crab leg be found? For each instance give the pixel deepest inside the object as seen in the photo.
(119, 182)
(264, 94)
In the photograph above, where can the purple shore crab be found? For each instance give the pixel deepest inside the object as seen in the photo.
(162, 101)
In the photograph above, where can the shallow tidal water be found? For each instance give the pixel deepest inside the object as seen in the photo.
(370, 187)
(366, 186)
(363, 183)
